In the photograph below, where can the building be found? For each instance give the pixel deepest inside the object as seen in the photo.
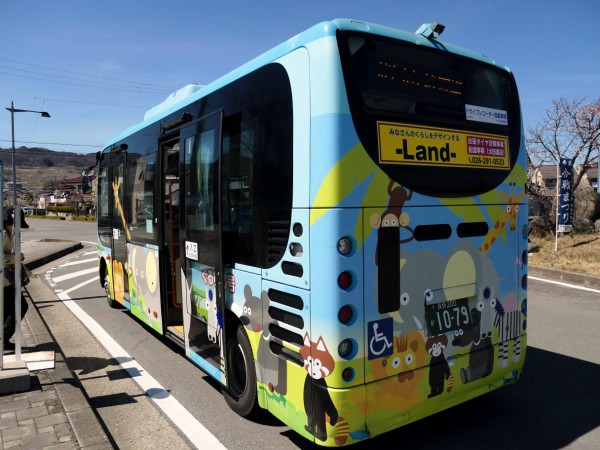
(545, 177)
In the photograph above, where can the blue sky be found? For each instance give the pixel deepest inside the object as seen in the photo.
(97, 66)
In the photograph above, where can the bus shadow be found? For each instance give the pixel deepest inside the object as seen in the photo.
(555, 402)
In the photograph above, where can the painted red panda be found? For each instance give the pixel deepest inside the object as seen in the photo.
(319, 407)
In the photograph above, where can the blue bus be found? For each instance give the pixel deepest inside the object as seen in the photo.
(335, 231)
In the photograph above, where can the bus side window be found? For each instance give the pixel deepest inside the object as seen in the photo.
(199, 161)
(140, 189)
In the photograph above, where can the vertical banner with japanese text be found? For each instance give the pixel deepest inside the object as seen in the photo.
(565, 196)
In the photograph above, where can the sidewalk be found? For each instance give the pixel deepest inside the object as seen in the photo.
(54, 413)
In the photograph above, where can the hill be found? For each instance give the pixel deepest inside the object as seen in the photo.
(37, 168)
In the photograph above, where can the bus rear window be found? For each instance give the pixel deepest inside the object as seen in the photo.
(437, 122)
(406, 79)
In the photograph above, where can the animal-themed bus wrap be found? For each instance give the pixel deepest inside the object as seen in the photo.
(335, 232)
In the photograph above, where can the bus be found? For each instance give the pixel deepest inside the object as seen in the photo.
(335, 232)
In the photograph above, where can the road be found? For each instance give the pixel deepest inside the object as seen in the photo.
(554, 405)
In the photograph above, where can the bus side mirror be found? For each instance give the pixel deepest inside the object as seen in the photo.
(86, 183)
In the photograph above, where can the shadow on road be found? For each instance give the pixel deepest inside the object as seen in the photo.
(556, 401)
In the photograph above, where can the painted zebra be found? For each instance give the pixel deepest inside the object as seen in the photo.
(508, 324)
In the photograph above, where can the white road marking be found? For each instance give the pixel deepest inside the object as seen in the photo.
(75, 274)
(75, 263)
(181, 417)
(560, 283)
(81, 285)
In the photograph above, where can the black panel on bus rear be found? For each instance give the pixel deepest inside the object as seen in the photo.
(434, 94)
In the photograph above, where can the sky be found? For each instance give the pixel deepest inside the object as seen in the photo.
(96, 66)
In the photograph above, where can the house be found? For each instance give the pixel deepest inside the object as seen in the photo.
(545, 178)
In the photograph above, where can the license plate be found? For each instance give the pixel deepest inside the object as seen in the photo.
(448, 316)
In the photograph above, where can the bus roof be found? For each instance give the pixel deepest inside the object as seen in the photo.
(193, 92)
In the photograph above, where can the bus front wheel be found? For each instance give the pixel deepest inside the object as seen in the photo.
(111, 302)
(241, 395)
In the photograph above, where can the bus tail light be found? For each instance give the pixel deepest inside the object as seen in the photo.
(348, 374)
(345, 314)
(345, 280)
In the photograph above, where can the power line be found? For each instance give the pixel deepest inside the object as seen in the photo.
(79, 79)
(53, 143)
(84, 74)
(74, 102)
(139, 91)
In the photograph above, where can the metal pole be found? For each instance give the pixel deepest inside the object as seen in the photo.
(2, 266)
(17, 243)
(556, 207)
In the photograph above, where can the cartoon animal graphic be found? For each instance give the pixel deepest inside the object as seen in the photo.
(467, 266)
(145, 296)
(421, 280)
(319, 407)
(393, 216)
(508, 324)
(439, 370)
(139, 271)
(116, 185)
(270, 368)
(481, 353)
(251, 316)
(398, 388)
(215, 322)
(508, 215)
(118, 280)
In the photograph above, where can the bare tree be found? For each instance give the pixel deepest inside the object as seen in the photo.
(571, 130)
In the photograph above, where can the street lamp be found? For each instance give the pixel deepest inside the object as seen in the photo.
(17, 239)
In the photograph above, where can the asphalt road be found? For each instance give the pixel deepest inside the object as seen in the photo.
(554, 405)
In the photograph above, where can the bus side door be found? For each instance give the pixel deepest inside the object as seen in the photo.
(119, 227)
(202, 268)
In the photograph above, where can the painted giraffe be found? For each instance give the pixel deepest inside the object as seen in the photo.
(509, 214)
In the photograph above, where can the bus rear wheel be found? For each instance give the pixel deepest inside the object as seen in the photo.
(241, 395)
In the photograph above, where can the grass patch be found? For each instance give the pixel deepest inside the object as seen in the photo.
(576, 253)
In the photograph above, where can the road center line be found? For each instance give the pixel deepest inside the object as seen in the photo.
(181, 417)
(560, 283)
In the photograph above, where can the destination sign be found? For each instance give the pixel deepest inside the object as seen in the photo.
(428, 146)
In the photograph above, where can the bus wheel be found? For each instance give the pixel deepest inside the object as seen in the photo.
(241, 395)
(111, 302)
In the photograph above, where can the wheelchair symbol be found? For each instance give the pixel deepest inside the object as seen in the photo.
(380, 342)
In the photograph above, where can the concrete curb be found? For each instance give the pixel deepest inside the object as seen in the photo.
(83, 419)
(84, 422)
(581, 279)
(43, 260)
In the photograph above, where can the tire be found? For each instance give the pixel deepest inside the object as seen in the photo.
(112, 303)
(241, 394)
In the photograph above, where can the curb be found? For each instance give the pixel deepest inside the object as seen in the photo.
(42, 261)
(81, 416)
(581, 279)
(83, 420)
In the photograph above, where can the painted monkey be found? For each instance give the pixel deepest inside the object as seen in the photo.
(439, 370)
(393, 216)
